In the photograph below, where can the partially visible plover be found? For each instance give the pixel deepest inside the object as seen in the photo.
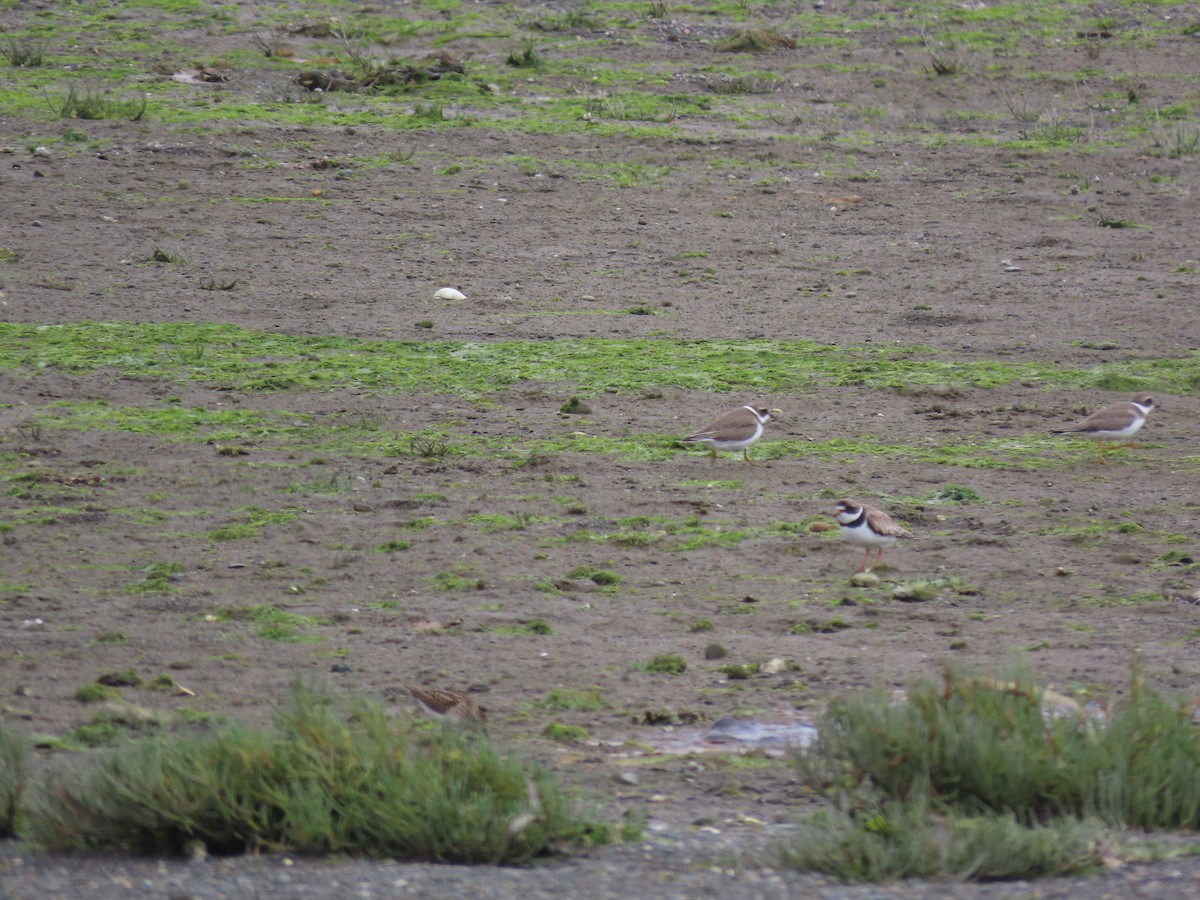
(450, 706)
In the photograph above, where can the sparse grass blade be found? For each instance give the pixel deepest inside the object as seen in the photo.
(525, 57)
(1147, 765)
(14, 775)
(23, 52)
(1175, 139)
(943, 60)
(90, 102)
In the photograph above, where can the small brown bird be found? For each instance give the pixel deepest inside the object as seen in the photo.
(868, 527)
(1115, 423)
(735, 430)
(450, 706)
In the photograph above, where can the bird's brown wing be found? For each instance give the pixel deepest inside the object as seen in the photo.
(733, 426)
(1112, 418)
(438, 700)
(883, 524)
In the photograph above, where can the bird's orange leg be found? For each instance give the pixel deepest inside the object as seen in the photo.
(862, 566)
(746, 456)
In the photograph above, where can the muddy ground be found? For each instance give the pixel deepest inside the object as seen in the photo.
(822, 224)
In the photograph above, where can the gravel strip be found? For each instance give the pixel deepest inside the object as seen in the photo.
(688, 864)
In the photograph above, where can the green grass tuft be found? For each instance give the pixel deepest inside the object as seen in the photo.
(391, 547)
(667, 664)
(157, 578)
(14, 776)
(325, 781)
(273, 624)
(565, 734)
(601, 577)
(23, 52)
(738, 671)
(94, 102)
(96, 693)
(992, 757)
(589, 700)
(526, 57)
(889, 840)
(121, 678)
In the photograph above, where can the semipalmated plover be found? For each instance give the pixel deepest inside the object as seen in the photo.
(735, 430)
(450, 706)
(868, 527)
(1118, 422)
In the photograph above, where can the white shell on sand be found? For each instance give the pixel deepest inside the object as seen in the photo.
(449, 294)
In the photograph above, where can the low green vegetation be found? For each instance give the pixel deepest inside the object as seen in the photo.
(601, 577)
(319, 66)
(121, 678)
(565, 734)
(110, 637)
(738, 671)
(667, 664)
(991, 778)
(157, 578)
(691, 532)
(234, 358)
(163, 682)
(23, 52)
(272, 623)
(96, 693)
(954, 493)
(252, 519)
(331, 778)
(887, 841)
(92, 735)
(391, 546)
(821, 626)
(589, 699)
(94, 102)
(536, 626)
(457, 582)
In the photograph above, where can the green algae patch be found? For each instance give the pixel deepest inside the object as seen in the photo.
(233, 358)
